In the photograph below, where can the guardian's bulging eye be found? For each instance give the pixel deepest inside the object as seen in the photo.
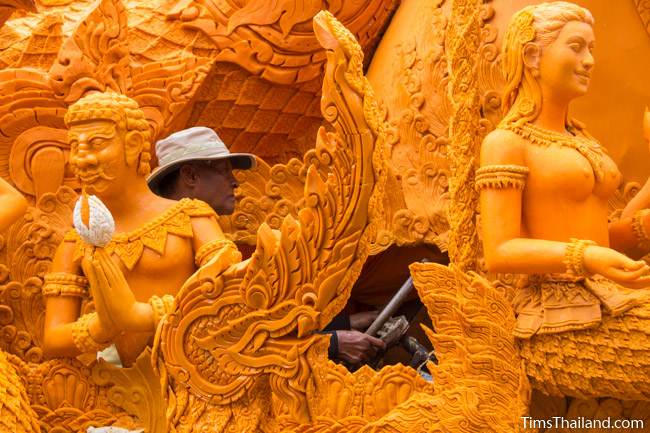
(97, 141)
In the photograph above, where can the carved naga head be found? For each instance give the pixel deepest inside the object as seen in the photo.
(545, 45)
(251, 327)
(109, 142)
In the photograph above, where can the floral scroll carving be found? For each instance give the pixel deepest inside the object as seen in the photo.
(64, 397)
(256, 34)
(418, 110)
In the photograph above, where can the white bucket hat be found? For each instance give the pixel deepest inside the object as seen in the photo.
(193, 144)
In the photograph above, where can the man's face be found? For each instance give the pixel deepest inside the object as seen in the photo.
(97, 155)
(216, 185)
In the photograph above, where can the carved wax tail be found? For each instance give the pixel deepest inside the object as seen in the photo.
(479, 362)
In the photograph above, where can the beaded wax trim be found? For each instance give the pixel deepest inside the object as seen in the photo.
(587, 147)
(501, 176)
(81, 335)
(208, 250)
(65, 284)
(574, 256)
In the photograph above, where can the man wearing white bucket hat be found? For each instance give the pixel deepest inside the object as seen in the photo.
(195, 163)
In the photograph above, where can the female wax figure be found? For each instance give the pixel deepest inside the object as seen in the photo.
(583, 316)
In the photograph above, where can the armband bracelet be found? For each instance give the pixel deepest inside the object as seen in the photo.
(501, 176)
(574, 256)
(208, 250)
(64, 284)
(81, 335)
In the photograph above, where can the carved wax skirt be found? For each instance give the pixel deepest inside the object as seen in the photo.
(584, 337)
(553, 303)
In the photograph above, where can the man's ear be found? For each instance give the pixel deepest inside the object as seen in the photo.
(532, 53)
(188, 175)
(133, 144)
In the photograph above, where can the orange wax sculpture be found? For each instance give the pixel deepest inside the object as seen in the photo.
(545, 185)
(158, 243)
(394, 165)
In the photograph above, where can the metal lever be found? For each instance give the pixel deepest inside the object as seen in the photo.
(392, 306)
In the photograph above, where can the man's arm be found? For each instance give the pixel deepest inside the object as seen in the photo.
(347, 342)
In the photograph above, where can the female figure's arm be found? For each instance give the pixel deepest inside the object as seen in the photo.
(630, 234)
(506, 247)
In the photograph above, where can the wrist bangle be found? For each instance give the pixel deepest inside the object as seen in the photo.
(642, 238)
(574, 256)
(161, 306)
(81, 335)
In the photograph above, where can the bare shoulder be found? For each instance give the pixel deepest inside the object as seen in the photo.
(160, 204)
(206, 229)
(503, 147)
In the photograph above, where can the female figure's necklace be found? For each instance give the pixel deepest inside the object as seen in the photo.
(586, 146)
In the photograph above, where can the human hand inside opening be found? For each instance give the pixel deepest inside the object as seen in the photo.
(361, 321)
(355, 347)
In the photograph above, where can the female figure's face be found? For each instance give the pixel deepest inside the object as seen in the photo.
(565, 65)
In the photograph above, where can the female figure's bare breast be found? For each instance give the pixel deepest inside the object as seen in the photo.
(563, 197)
